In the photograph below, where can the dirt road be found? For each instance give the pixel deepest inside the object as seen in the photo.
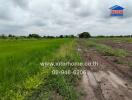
(107, 81)
(121, 45)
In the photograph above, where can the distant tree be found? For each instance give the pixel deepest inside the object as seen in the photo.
(68, 36)
(11, 36)
(61, 36)
(3, 36)
(72, 36)
(120, 36)
(44, 36)
(49, 36)
(34, 36)
(84, 35)
(111, 36)
(100, 36)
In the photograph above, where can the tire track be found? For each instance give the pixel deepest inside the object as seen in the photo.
(105, 84)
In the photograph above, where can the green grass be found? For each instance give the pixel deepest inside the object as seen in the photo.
(20, 70)
(63, 84)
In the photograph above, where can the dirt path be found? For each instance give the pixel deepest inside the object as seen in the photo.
(125, 66)
(106, 81)
(120, 45)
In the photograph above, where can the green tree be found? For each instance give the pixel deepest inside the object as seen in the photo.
(34, 36)
(84, 35)
(61, 36)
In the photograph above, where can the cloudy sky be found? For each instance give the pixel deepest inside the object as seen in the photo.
(55, 17)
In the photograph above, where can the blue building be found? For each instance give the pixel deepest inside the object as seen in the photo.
(117, 10)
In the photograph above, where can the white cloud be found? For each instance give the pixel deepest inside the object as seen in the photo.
(63, 17)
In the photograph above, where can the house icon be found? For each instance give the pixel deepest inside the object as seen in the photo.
(117, 10)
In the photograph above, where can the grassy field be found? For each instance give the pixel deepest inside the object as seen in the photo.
(21, 73)
(23, 78)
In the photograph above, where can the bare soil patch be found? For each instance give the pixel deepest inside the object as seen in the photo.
(123, 64)
(120, 45)
(108, 81)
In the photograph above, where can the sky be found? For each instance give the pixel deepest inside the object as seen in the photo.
(56, 17)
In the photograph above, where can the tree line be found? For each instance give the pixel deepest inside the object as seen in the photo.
(36, 36)
(81, 35)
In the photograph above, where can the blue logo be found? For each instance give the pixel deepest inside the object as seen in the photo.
(117, 10)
